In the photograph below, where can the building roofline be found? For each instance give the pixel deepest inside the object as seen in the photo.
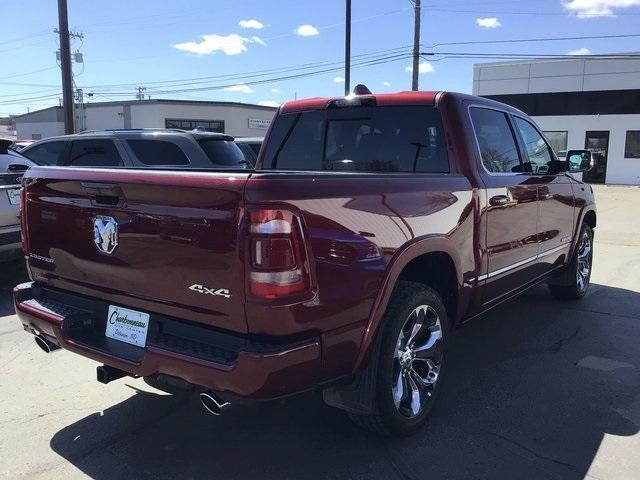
(526, 61)
(165, 101)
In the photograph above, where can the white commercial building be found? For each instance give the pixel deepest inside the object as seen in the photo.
(237, 119)
(580, 103)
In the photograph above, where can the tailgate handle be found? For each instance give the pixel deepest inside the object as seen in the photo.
(109, 194)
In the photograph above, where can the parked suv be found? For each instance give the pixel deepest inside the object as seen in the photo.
(250, 146)
(142, 148)
(12, 167)
(371, 227)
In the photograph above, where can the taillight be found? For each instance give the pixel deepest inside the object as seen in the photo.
(278, 264)
(23, 220)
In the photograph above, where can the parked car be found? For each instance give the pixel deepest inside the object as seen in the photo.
(250, 146)
(139, 148)
(20, 144)
(371, 227)
(12, 167)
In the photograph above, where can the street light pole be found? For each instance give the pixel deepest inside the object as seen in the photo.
(347, 49)
(416, 44)
(65, 62)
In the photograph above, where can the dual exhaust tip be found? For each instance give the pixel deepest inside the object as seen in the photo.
(212, 403)
(47, 345)
(209, 400)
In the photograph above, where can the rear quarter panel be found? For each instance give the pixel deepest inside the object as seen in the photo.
(399, 215)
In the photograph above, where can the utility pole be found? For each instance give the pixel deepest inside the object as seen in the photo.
(65, 61)
(347, 49)
(416, 44)
(140, 94)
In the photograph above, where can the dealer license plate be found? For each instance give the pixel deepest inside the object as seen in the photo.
(127, 325)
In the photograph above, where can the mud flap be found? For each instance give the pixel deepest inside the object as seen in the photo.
(357, 397)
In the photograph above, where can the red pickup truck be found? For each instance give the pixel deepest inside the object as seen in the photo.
(371, 226)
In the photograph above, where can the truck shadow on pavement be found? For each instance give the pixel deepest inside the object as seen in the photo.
(532, 389)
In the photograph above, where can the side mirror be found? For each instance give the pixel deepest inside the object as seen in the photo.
(17, 167)
(579, 161)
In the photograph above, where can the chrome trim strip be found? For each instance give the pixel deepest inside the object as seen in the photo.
(17, 186)
(521, 262)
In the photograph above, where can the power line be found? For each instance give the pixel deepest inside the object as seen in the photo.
(526, 40)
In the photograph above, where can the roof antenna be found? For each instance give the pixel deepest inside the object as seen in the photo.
(361, 89)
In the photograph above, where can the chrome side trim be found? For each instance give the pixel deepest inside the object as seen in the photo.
(521, 262)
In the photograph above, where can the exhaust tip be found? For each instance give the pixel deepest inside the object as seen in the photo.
(46, 345)
(212, 404)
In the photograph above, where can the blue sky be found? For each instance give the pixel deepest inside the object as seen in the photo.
(138, 42)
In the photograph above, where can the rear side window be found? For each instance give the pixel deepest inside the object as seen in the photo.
(49, 153)
(94, 153)
(158, 152)
(364, 139)
(223, 153)
(496, 141)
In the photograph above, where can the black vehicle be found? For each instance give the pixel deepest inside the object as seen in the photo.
(250, 146)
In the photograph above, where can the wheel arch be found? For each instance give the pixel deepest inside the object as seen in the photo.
(415, 262)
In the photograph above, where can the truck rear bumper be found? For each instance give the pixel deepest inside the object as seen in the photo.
(197, 354)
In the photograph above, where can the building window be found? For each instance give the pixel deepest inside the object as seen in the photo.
(558, 141)
(632, 144)
(185, 124)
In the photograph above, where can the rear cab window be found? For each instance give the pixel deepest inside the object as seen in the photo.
(359, 139)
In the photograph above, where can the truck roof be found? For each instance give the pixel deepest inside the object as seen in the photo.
(381, 99)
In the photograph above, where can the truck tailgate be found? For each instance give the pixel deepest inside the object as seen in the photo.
(147, 239)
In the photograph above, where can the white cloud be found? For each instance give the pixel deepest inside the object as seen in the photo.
(251, 24)
(597, 8)
(423, 67)
(256, 39)
(232, 44)
(338, 79)
(488, 22)
(386, 84)
(307, 30)
(268, 103)
(580, 51)
(240, 87)
(275, 90)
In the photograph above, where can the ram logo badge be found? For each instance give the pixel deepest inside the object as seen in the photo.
(222, 292)
(105, 234)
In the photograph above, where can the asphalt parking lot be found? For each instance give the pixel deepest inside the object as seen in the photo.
(536, 389)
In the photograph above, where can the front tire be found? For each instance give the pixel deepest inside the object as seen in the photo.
(574, 282)
(410, 361)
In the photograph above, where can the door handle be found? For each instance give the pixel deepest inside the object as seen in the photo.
(501, 201)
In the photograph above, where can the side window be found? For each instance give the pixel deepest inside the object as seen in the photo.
(497, 145)
(158, 152)
(94, 153)
(49, 153)
(539, 159)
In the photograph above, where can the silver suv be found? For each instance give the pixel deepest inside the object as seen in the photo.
(141, 148)
(12, 166)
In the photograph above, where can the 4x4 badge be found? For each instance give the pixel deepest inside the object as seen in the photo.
(222, 292)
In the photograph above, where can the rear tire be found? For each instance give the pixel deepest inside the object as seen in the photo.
(410, 361)
(574, 282)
